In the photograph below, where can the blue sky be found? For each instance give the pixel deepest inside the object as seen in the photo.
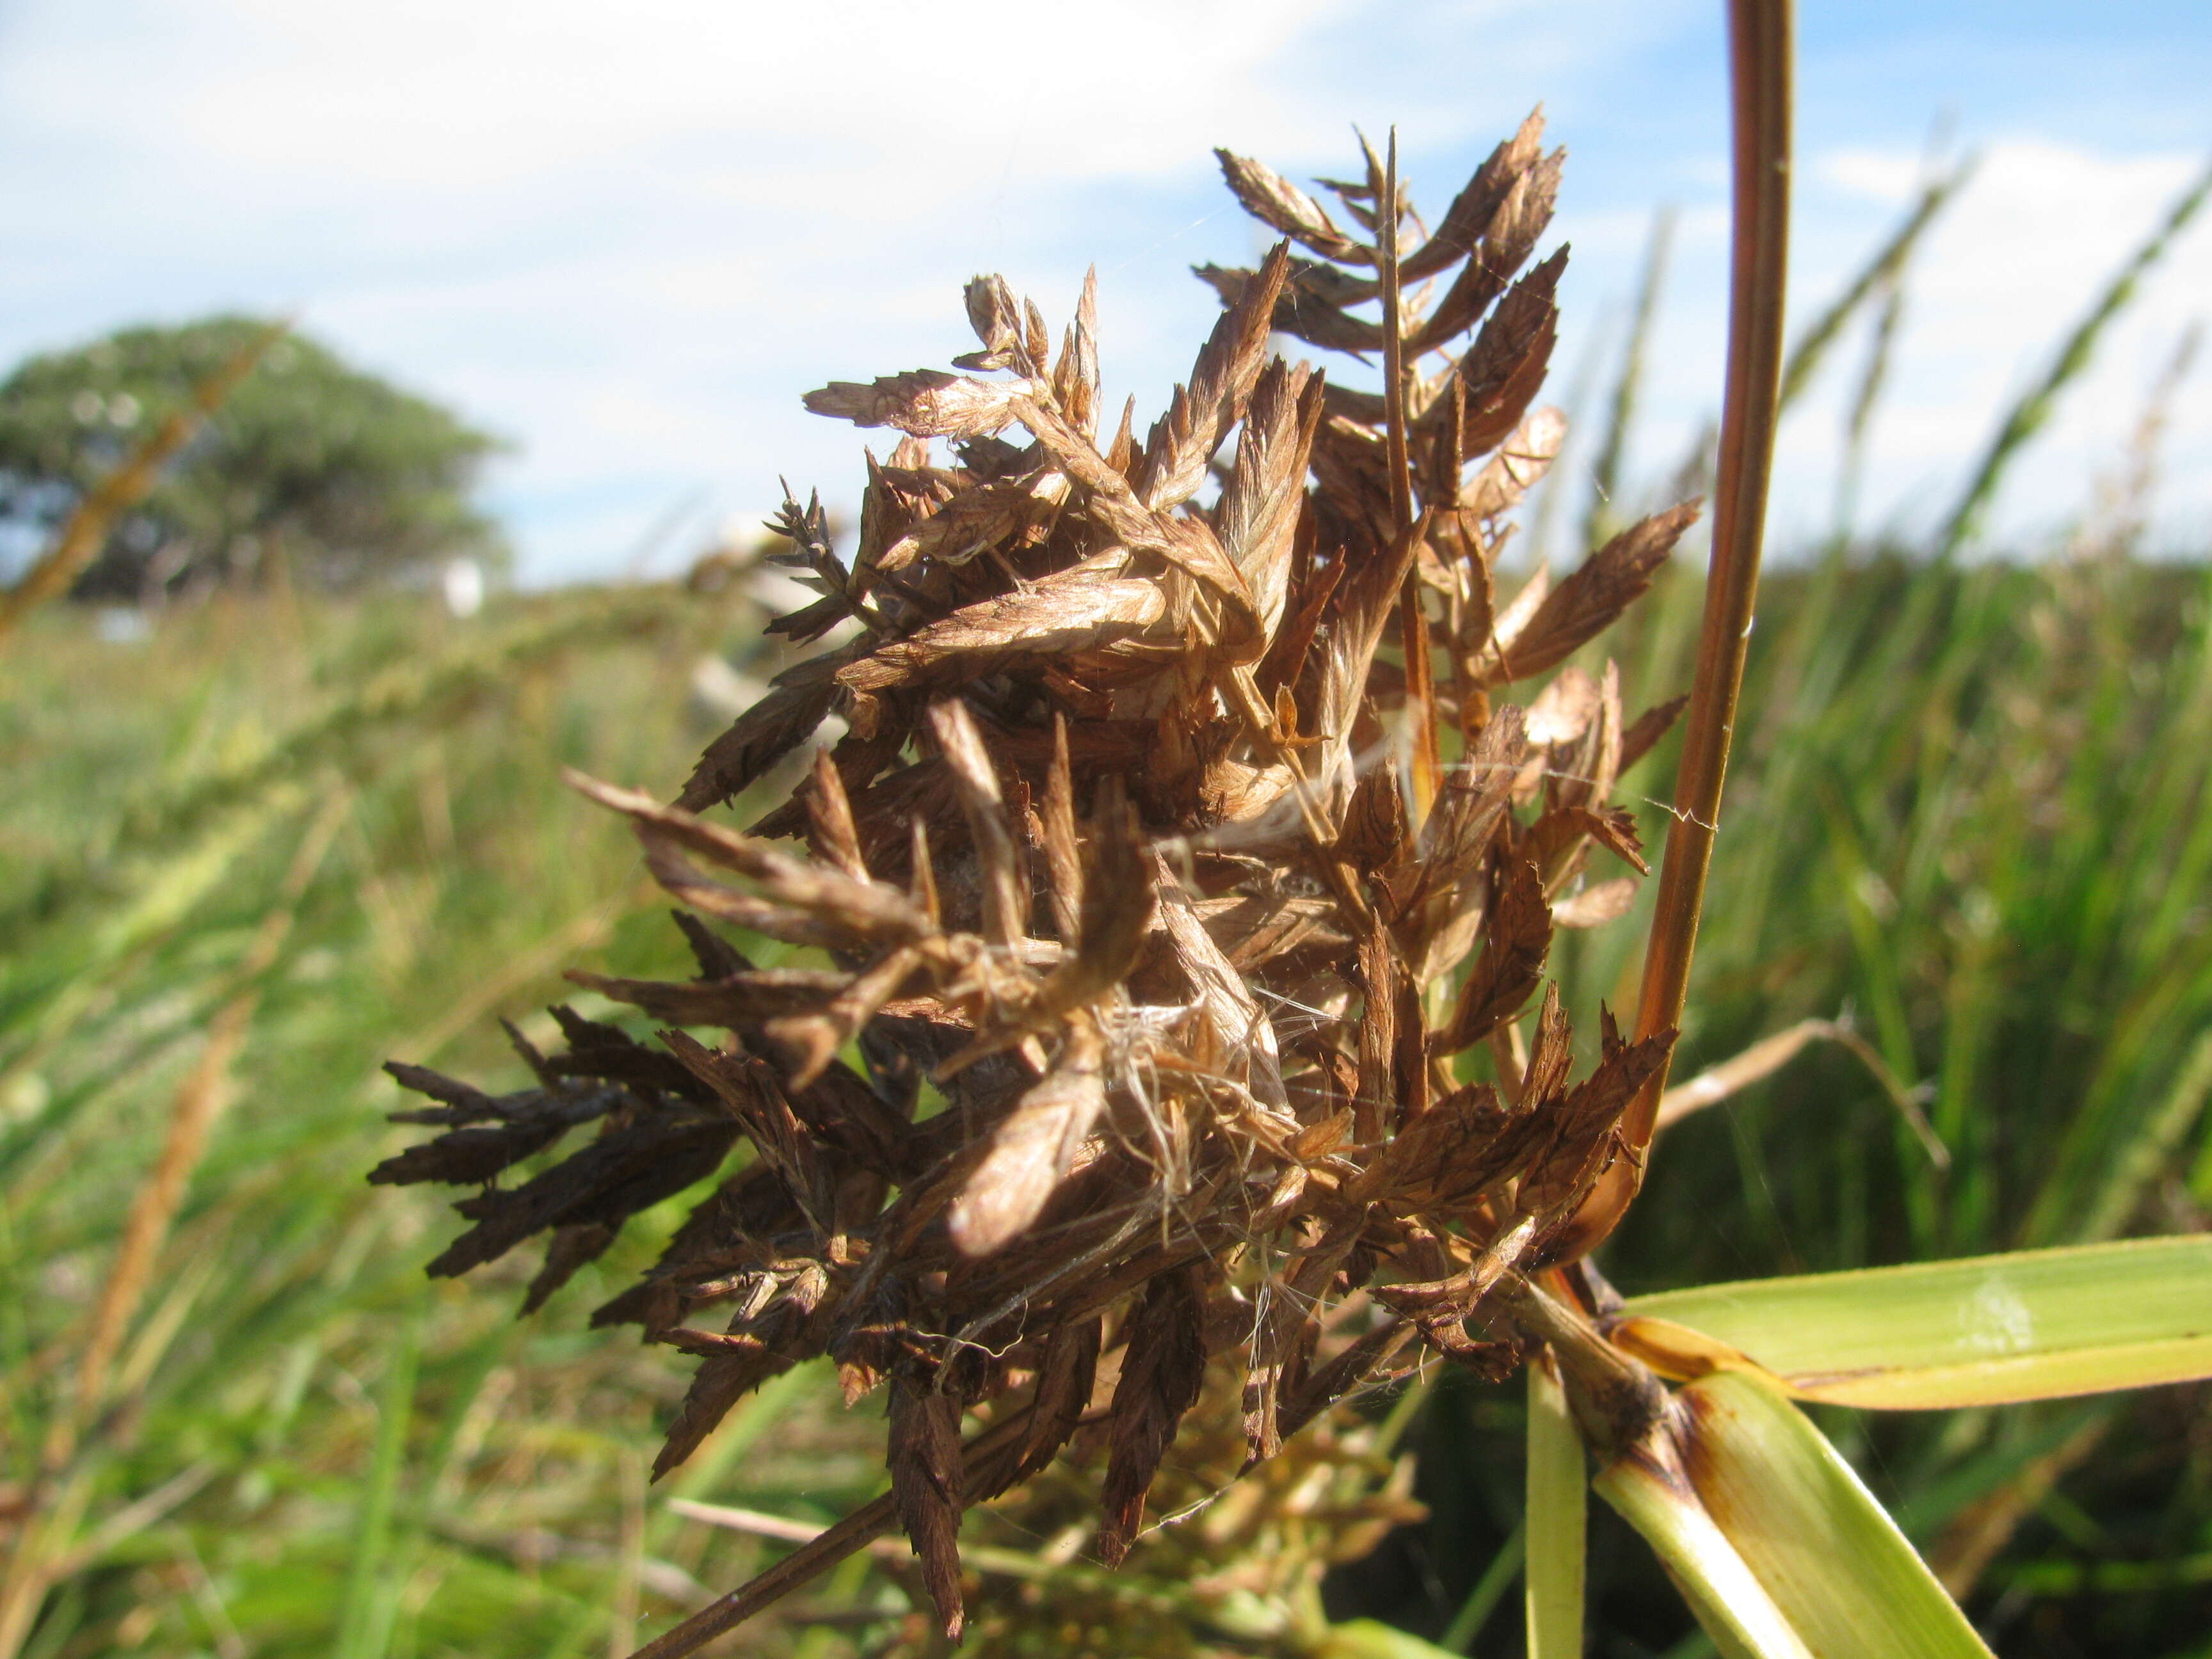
(628, 238)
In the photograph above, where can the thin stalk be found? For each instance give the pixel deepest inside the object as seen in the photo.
(1420, 688)
(1880, 276)
(1554, 1520)
(1603, 516)
(2028, 417)
(1889, 322)
(1759, 61)
(85, 531)
(369, 1603)
(2151, 1152)
(1489, 1591)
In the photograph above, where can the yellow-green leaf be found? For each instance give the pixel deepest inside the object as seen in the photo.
(1555, 1519)
(2034, 1325)
(1778, 1547)
(1370, 1638)
(1729, 1602)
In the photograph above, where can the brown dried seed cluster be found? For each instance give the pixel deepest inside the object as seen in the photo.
(1238, 1576)
(1178, 866)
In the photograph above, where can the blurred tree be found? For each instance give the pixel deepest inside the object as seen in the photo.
(312, 471)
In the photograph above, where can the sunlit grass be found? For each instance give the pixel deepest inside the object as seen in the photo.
(1970, 811)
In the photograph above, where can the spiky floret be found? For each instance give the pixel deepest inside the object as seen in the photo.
(1189, 852)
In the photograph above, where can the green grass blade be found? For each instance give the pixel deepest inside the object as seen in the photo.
(1758, 1493)
(2028, 417)
(1879, 275)
(1604, 515)
(2151, 1152)
(1556, 1519)
(1371, 1639)
(1988, 1330)
(1866, 398)
(1730, 1603)
(371, 1591)
(1489, 1591)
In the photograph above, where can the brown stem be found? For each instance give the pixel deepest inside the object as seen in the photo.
(85, 532)
(855, 1532)
(1615, 1397)
(1394, 348)
(1980, 1531)
(980, 1458)
(45, 1536)
(1759, 64)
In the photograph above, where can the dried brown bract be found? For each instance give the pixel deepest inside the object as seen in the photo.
(1180, 878)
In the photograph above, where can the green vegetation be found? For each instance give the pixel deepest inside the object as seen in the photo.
(1971, 811)
(302, 1445)
(288, 838)
(312, 469)
(305, 1447)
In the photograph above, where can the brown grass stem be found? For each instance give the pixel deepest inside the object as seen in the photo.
(1420, 688)
(199, 1101)
(1759, 62)
(85, 531)
(1770, 1054)
(43, 1550)
(857, 1531)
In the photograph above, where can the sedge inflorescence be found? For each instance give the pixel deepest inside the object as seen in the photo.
(1181, 873)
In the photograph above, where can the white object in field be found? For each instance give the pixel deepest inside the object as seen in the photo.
(464, 582)
(720, 689)
(121, 624)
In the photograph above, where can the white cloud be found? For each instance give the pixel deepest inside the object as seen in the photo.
(1887, 176)
(430, 97)
(1999, 283)
(2003, 278)
(628, 237)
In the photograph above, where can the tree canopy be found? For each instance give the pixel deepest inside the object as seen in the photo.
(342, 477)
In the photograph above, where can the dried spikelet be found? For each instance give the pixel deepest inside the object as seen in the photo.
(1162, 1370)
(1231, 1579)
(926, 1481)
(1033, 1148)
(1154, 826)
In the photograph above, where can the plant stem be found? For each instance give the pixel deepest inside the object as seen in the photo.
(85, 532)
(1759, 61)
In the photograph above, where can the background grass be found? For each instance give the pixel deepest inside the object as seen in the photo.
(1968, 808)
(1968, 811)
(307, 1447)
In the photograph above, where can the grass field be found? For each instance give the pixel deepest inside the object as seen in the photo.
(1969, 814)
(245, 861)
